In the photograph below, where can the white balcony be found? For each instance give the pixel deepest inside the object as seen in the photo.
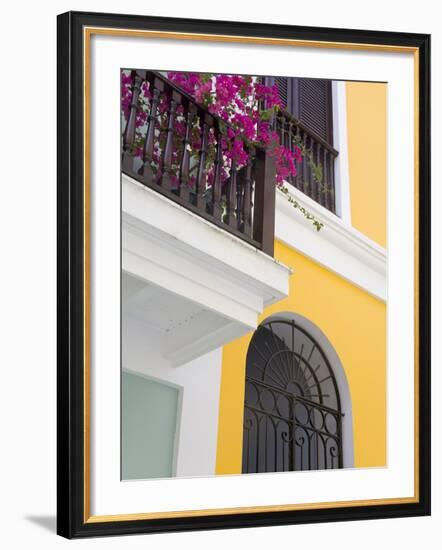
(189, 281)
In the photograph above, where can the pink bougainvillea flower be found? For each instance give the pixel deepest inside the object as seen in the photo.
(245, 104)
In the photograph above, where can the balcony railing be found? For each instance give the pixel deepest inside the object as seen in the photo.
(178, 149)
(316, 173)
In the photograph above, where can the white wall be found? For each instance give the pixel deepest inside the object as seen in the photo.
(340, 141)
(27, 290)
(199, 383)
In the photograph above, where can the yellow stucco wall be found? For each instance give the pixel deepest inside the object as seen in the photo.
(367, 157)
(353, 320)
(355, 324)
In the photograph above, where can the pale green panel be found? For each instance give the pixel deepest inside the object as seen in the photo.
(149, 414)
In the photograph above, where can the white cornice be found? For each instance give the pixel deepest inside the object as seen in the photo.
(337, 246)
(204, 267)
(188, 234)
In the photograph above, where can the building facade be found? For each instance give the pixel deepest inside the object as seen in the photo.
(244, 355)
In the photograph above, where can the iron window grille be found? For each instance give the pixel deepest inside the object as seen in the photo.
(292, 410)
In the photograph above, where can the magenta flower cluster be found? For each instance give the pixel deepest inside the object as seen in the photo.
(243, 102)
(247, 105)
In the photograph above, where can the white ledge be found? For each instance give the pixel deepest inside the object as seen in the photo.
(223, 280)
(337, 246)
(153, 213)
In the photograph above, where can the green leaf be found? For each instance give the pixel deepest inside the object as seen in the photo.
(266, 114)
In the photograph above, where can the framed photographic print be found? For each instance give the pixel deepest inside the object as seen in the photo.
(243, 274)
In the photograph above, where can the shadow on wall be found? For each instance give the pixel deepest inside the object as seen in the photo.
(49, 523)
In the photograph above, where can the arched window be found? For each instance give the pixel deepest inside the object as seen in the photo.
(292, 410)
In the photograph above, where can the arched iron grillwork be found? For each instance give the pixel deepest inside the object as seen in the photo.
(292, 411)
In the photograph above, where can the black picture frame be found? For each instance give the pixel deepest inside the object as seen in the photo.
(71, 520)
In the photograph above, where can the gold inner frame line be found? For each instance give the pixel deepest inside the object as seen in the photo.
(87, 33)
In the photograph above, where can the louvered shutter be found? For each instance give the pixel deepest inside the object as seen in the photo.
(315, 106)
(283, 90)
(309, 100)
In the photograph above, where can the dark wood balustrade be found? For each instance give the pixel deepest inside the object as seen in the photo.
(316, 153)
(240, 201)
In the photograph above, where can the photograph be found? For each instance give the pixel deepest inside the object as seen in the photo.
(220, 287)
(251, 342)
(243, 267)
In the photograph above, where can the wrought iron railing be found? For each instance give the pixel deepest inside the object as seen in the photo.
(316, 172)
(189, 166)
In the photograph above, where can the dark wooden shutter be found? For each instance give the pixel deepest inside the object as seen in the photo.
(315, 106)
(310, 101)
(284, 92)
